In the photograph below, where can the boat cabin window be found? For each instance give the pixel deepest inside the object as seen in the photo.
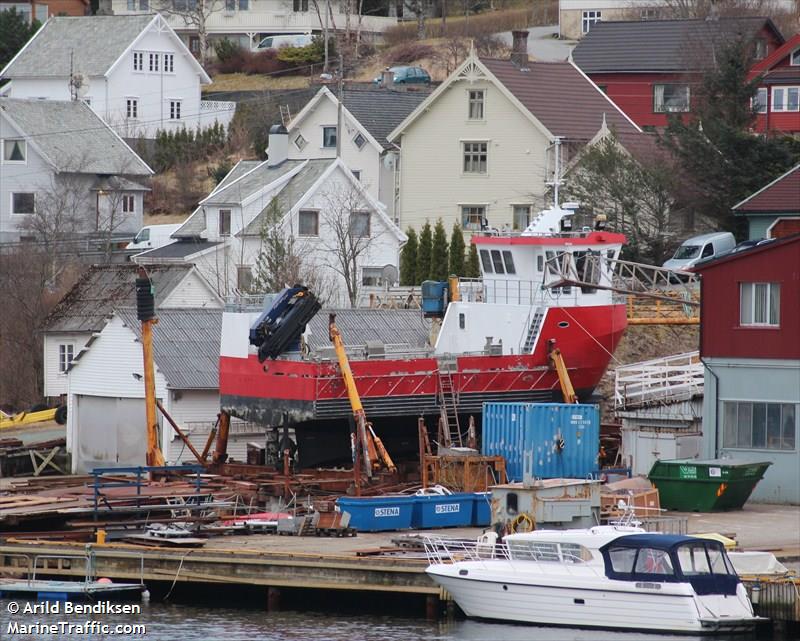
(652, 561)
(486, 261)
(508, 260)
(622, 559)
(497, 262)
(522, 550)
(694, 560)
(539, 263)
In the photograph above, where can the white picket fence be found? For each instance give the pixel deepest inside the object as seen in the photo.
(660, 380)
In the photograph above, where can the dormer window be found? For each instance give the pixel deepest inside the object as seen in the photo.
(794, 59)
(224, 222)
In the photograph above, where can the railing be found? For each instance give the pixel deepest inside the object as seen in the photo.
(673, 378)
(218, 106)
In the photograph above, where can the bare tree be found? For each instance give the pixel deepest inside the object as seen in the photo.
(417, 7)
(348, 231)
(194, 13)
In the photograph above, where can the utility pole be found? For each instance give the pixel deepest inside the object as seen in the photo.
(327, 11)
(339, 107)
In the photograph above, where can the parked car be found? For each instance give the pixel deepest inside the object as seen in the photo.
(699, 248)
(749, 244)
(153, 236)
(407, 76)
(286, 40)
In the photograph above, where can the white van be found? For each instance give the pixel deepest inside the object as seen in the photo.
(153, 236)
(700, 248)
(287, 40)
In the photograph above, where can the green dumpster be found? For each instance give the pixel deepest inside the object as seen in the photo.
(693, 485)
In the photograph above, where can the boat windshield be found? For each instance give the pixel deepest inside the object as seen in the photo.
(696, 559)
(687, 251)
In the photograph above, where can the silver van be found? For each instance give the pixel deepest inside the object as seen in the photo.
(699, 248)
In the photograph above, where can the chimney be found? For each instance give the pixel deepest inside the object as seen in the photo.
(104, 8)
(387, 78)
(278, 149)
(519, 48)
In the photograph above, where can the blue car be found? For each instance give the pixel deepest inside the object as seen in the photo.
(407, 76)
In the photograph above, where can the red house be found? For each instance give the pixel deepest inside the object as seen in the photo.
(778, 97)
(651, 68)
(774, 210)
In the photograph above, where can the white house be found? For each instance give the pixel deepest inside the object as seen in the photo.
(368, 115)
(478, 150)
(134, 72)
(247, 21)
(106, 424)
(84, 311)
(319, 203)
(65, 173)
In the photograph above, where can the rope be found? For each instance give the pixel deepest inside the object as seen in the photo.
(603, 347)
(175, 580)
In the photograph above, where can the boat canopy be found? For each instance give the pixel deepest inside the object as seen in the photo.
(672, 559)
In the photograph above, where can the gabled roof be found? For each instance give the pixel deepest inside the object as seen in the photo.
(92, 300)
(185, 345)
(71, 137)
(776, 56)
(658, 45)
(232, 192)
(781, 196)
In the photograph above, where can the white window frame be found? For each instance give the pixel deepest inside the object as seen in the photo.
(223, 214)
(24, 142)
(663, 108)
(316, 217)
(363, 141)
(732, 422)
(11, 203)
(479, 103)
(794, 58)
(169, 63)
(138, 61)
(175, 108)
(360, 212)
(782, 106)
(477, 206)
(750, 312)
(356, 173)
(473, 154)
(153, 61)
(299, 141)
(514, 206)
(588, 18)
(66, 354)
(131, 108)
(336, 129)
(128, 204)
(757, 104)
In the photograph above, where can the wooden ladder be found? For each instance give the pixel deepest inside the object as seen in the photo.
(448, 409)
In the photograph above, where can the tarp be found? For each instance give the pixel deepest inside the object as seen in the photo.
(762, 563)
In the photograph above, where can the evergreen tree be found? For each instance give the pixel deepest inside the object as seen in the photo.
(424, 253)
(14, 33)
(277, 262)
(457, 251)
(408, 260)
(439, 263)
(473, 269)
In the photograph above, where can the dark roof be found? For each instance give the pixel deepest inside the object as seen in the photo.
(185, 345)
(658, 45)
(398, 327)
(781, 196)
(561, 98)
(380, 110)
(180, 249)
(91, 302)
(656, 540)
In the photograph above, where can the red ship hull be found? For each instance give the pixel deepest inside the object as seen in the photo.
(291, 391)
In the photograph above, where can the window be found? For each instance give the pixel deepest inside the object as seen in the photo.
(486, 262)
(132, 108)
(497, 262)
(760, 304)
(359, 141)
(794, 59)
(23, 203)
(174, 109)
(754, 425)
(786, 99)
(476, 101)
(299, 141)
(329, 136)
(708, 250)
(141, 5)
(670, 98)
(475, 154)
(224, 222)
(508, 261)
(589, 18)
(622, 559)
(169, 63)
(138, 61)
(512, 503)
(372, 276)
(760, 48)
(472, 217)
(194, 45)
(693, 559)
(230, 6)
(300, 5)
(128, 204)
(154, 62)
(760, 101)
(650, 14)
(357, 174)
(244, 278)
(244, 5)
(14, 150)
(65, 353)
(308, 223)
(522, 217)
(653, 561)
(359, 224)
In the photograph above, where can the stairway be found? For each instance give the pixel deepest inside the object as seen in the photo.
(533, 331)
(448, 404)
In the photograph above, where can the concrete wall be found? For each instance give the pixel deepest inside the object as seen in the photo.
(754, 380)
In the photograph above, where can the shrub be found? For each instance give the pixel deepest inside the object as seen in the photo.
(308, 55)
(265, 61)
(407, 53)
(226, 50)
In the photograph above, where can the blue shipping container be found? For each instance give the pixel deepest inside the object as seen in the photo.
(482, 509)
(448, 510)
(529, 436)
(378, 513)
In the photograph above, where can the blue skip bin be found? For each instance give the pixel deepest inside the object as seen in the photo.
(378, 513)
(447, 510)
(482, 509)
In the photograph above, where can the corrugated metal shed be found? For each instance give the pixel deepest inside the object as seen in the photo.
(87, 306)
(185, 345)
(359, 326)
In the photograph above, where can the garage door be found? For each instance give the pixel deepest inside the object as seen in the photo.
(110, 432)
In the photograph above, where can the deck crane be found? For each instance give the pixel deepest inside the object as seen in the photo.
(368, 449)
(557, 359)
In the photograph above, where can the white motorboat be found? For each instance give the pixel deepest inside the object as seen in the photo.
(604, 577)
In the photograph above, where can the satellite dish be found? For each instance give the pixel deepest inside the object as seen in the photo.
(78, 85)
(389, 275)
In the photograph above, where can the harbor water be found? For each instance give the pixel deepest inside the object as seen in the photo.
(169, 622)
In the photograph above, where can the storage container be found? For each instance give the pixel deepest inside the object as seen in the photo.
(482, 509)
(706, 485)
(543, 440)
(443, 510)
(378, 513)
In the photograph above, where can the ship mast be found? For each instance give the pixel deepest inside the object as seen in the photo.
(556, 182)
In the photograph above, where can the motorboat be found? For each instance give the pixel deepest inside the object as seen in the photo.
(617, 577)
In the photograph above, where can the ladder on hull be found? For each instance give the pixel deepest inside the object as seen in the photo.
(533, 331)
(449, 426)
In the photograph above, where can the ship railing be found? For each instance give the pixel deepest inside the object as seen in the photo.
(660, 380)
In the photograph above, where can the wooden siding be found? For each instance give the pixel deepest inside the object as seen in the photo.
(192, 291)
(55, 382)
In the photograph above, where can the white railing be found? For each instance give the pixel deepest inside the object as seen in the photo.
(211, 111)
(660, 380)
(217, 105)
